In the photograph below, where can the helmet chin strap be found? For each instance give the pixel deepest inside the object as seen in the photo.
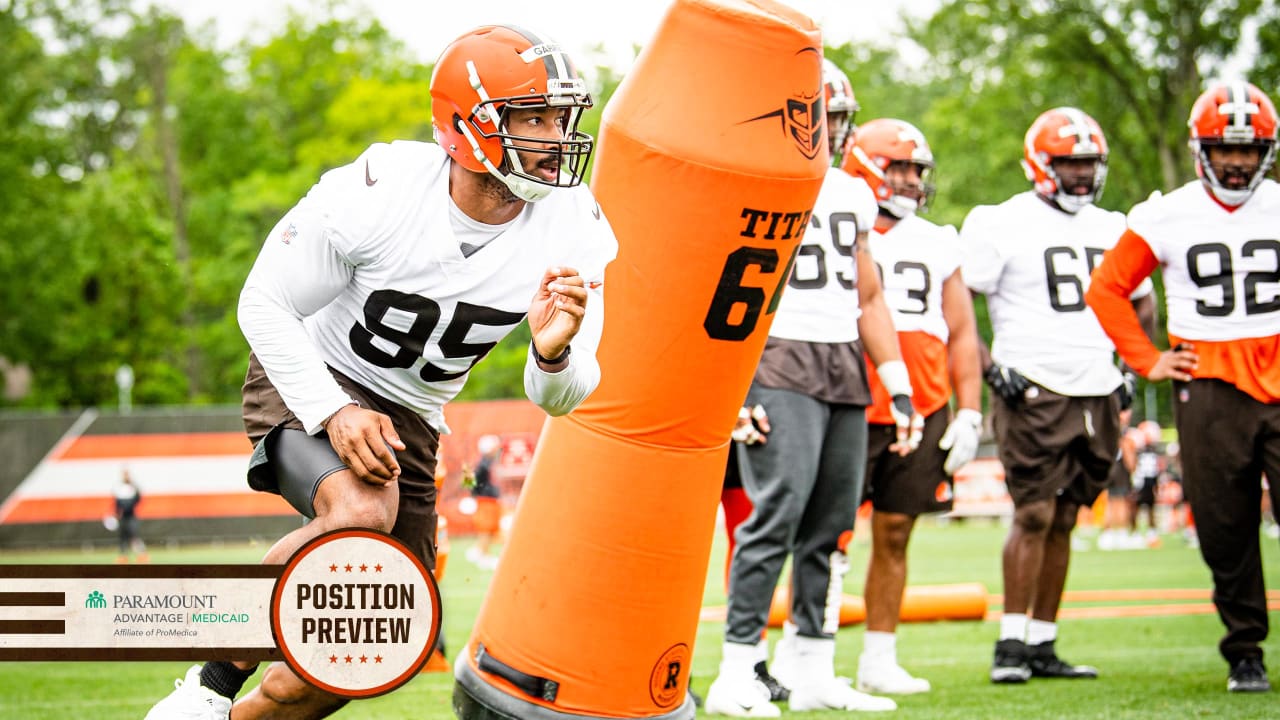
(900, 207)
(1072, 203)
(522, 188)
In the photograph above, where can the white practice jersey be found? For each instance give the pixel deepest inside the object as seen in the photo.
(1032, 261)
(820, 303)
(1221, 267)
(914, 258)
(366, 276)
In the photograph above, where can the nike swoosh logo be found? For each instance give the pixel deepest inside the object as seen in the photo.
(368, 180)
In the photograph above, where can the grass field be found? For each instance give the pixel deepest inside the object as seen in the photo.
(1152, 667)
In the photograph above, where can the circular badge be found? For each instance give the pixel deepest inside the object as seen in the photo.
(355, 613)
(665, 686)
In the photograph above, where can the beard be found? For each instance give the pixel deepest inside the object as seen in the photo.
(494, 189)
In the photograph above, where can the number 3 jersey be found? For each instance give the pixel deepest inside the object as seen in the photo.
(914, 258)
(365, 275)
(1221, 270)
(1033, 261)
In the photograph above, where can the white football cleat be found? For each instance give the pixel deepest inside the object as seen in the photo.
(836, 694)
(191, 701)
(889, 678)
(739, 697)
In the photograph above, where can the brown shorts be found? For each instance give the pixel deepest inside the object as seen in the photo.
(1053, 445)
(265, 415)
(915, 484)
(1119, 484)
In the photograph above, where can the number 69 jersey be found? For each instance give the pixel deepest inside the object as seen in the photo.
(365, 275)
(820, 303)
(1033, 261)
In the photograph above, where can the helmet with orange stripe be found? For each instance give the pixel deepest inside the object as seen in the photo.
(837, 93)
(1065, 157)
(1233, 137)
(493, 73)
(893, 157)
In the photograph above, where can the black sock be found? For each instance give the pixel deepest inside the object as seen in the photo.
(224, 678)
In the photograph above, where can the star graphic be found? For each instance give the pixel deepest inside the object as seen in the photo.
(377, 658)
(377, 568)
(333, 568)
(348, 566)
(333, 658)
(364, 658)
(364, 568)
(348, 659)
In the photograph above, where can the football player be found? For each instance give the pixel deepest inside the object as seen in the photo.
(805, 480)
(1055, 386)
(1215, 239)
(919, 266)
(373, 298)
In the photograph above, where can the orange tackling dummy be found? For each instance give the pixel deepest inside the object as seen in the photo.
(711, 156)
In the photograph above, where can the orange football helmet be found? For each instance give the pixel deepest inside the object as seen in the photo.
(1232, 113)
(1064, 132)
(880, 143)
(837, 93)
(495, 68)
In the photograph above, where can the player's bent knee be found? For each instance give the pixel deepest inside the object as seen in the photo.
(366, 513)
(1035, 518)
(282, 687)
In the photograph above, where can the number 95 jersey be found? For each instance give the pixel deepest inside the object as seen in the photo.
(365, 275)
(1033, 261)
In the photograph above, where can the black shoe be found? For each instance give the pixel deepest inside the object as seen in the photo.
(1010, 664)
(1045, 663)
(777, 693)
(1248, 675)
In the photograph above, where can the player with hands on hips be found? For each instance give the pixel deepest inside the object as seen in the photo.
(1055, 386)
(373, 298)
(1215, 240)
(919, 265)
(805, 481)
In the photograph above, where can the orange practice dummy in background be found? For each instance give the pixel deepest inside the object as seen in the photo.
(710, 157)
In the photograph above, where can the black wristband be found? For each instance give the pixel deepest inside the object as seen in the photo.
(551, 361)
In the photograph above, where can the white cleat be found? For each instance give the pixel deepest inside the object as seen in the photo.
(739, 697)
(888, 678)
(191, 701)
(836, 694)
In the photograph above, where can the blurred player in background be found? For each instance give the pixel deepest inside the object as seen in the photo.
(919, 266)
(488, 503)
(805, 480)
(1056, 391)
(1215, 240)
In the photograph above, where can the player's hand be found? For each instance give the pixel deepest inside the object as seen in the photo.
(961, 438)
(1128, 388)
(1175, 364)
(910, 425)
(365, 440)
(752, 426)
(556, 313)
(1006, 382)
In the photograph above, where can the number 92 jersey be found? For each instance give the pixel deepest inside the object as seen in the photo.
(820, 303)
(369, 262)
(1221, 267)
(1033, 261)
